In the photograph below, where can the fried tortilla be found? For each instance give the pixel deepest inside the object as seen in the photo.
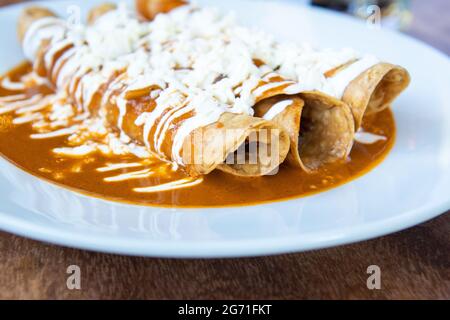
(375, 89)
(320, 128)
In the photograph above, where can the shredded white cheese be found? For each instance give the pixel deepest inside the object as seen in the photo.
(201, 61)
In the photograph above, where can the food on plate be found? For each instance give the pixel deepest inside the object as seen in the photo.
(174, 104)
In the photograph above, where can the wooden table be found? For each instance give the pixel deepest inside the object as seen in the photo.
(414, 263)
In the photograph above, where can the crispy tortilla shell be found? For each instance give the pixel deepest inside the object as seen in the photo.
(217, 143)
(326, 130)
(320, 128)
(375, 89)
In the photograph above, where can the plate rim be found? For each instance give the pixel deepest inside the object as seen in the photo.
(221, 249)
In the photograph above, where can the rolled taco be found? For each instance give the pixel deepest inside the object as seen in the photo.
(164, 117)
(324, 115)
(336, 96)
(320, 127)
(375, 89)
(363, 82)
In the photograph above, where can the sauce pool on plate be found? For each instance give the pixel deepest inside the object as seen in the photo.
(132, 179)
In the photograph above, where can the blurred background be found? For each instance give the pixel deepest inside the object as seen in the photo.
(428, 20)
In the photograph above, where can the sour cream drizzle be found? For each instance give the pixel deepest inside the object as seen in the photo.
(177, 184)
(277, 108)
(365, 137)
(6, 83)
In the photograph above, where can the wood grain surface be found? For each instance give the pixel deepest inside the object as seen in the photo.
(415, 263)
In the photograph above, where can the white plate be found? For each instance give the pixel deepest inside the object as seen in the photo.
(409, 187)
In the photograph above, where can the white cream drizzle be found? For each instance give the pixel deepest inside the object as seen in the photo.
(271, 85)
(77, 151)
(277, 108)
(35, 106)
(173, 185)
(8, 106)
(13, 98)
(60, 115)
(32, 78)
(7, 84)
(46, 28)
(27, 118)
(118, 166)
(56, 133)
(364, 137)
(145, 173)
(339, 82)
